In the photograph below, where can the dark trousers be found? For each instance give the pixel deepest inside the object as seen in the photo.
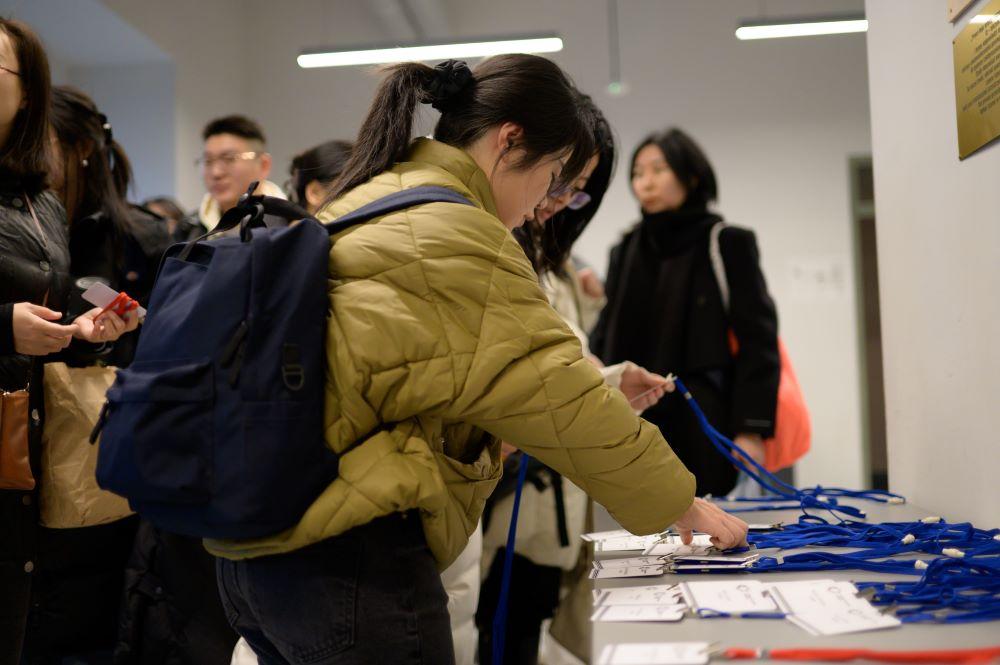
(18, 533)
(371, 595)
(77, 592)
(534, 596)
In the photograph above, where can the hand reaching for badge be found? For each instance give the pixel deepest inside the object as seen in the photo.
(725, 530)
(642, 387)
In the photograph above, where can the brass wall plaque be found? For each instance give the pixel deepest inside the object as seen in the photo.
(977, 80)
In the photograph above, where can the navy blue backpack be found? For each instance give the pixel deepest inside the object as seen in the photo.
(216, 428)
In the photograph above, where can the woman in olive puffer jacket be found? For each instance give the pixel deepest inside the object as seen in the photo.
(440, 342)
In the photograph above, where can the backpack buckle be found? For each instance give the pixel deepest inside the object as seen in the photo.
(292, 372)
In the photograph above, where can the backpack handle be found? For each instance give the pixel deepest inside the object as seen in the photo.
(250, 210)
(248, 213)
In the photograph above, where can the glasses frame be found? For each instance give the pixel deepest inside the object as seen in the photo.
(578, 199)
(229, 159)
(10, 71)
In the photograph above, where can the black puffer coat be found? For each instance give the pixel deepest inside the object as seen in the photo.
(172, 614)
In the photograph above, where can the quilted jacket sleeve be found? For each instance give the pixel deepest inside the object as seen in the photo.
(528, 383)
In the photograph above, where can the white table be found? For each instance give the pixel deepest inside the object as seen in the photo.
(776, 633)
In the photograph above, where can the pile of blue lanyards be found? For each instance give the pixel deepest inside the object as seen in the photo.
(961, 586)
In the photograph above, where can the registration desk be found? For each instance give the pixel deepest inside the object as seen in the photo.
(779, 633)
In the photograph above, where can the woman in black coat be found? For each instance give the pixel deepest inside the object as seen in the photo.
(665, 310)
(34, 293)
(80, 572)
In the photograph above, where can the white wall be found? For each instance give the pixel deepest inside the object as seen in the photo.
(209, 46)
(139, 102)
(938, 224)
(779, 120)
(300, 108)
(129, 78)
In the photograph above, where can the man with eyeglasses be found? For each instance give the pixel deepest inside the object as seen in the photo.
(234, 155)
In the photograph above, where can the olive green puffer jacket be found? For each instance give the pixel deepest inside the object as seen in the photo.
(440, 343)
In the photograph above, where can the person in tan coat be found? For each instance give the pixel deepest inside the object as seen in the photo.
(440, 344)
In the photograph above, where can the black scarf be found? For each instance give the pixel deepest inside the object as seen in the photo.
(651, 301)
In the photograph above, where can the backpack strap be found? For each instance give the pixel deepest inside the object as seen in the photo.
(250, 211)
(718, 266)
(406, 198)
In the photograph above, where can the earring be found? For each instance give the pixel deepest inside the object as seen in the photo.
(84, 162)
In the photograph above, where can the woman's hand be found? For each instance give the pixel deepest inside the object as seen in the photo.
(752, 447)
(725, 530)
(98, 328)
(35, 334)
(506, 450)
(590, 283)
(643, 388)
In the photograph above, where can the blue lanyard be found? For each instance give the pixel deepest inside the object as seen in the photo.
(962, 586)
(820, 498)
(930, 536)
(500, 620)
(709, 613)
(949, 591)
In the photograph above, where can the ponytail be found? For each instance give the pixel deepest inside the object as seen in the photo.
(528, 90)
(385, 133)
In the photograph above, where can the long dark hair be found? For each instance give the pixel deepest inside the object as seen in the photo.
(25, 155)
(324, 163)
(524, 89)
(549, 245)
(84, 133)
(688, 162)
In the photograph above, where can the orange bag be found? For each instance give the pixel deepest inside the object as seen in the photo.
(792, 427)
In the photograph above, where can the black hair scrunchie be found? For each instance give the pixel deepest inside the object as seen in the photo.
(450, 79)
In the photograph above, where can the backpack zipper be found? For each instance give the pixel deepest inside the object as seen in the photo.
(234, 353)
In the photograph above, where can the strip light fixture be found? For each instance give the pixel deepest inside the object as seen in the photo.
(430, 51)
(807, 27)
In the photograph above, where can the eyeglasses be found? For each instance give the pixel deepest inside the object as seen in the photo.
(578, 200)
(10, 71)
(226, 159)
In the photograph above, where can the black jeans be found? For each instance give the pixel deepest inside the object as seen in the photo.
(371, 595)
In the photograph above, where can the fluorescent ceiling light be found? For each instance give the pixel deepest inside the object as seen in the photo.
(478, 48)
(985, 18)
(801, 28)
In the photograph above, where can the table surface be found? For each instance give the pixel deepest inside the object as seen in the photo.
(778, 633)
